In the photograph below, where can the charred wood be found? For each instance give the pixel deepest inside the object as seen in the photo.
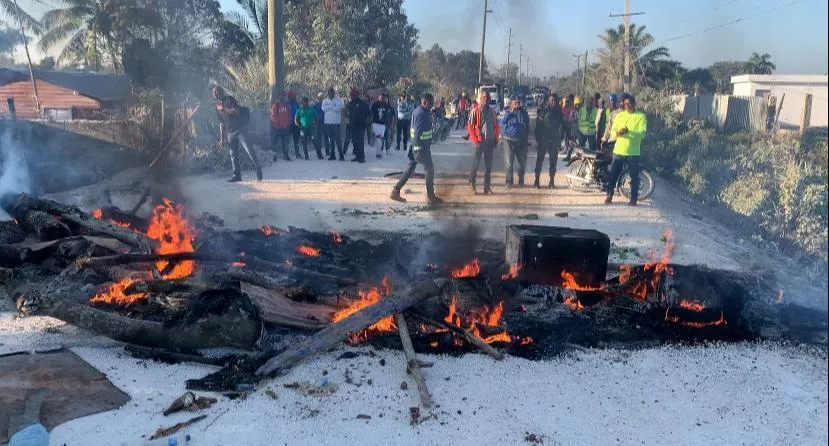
(11, 232)
(13, 255)
(124, 217)
(174, 357)
(411, 361)
(468, 335)
(45, 226)
(336, 333)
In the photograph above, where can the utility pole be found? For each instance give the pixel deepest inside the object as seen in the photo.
(626, 76)
(578, 65)
(509, 48)
(584, 73)
(276, 56)
(520, 53)
(29, 60)
(483, 42)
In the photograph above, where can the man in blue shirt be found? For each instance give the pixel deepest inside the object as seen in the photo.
(515, 124)
(420, 151)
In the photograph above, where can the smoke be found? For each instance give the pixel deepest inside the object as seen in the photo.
(14, 171)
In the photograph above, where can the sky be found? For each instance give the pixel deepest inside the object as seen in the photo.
(550, 32)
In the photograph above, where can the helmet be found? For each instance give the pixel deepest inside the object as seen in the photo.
(612, 97)
(577, 100)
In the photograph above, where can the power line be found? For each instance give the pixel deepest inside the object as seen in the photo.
(732, 22)
(706, 12)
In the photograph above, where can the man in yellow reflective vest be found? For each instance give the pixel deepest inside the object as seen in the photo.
(587, 124)
(420, 151)
(629, 127)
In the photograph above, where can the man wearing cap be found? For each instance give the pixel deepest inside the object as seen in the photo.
(629, 126)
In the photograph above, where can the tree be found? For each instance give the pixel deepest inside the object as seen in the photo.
(722, 72)
(646, 67)
(9, 39)
(699, 78)
(759, 64)
(505, 74)
(95, 29)
(18, 15)
(47, 63)
(448, 73)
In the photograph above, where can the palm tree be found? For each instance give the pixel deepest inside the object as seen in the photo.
(612, 56)
(95, 29)
(12, 10)
(760, 64)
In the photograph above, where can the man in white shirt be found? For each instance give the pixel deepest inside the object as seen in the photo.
(333, 106)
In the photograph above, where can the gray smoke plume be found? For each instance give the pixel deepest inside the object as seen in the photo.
(14, 172)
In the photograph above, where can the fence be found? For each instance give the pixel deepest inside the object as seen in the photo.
(728, 113)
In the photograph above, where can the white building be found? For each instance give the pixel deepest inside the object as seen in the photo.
(795, 88)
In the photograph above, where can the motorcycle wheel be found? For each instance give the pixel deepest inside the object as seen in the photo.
(577, 169)
(646, 185)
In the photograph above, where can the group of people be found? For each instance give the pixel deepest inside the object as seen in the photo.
(612, 127)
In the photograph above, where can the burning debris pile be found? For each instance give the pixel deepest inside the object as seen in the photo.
(170, 282)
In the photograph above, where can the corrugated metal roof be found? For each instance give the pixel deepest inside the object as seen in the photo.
(101, 86)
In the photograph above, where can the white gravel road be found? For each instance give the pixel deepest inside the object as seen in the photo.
(753, 394)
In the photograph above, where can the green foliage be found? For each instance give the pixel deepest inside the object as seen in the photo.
(777, 184)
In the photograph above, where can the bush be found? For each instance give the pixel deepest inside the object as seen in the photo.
(777, 184)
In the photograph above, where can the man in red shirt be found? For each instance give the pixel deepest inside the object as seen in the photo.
(281, 120)
(462, 106)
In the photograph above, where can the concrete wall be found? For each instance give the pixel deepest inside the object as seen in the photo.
(795, 89)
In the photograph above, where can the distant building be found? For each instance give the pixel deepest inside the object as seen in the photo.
(62, 95)
(795, 88)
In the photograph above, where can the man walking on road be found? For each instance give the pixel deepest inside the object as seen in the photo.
(404, 120)
(381, 120)
(514, 141)
(630, 127)
(359, 116)
(420, 152)
(550, 128)
(484, 133)
(462, 106)
(233, 122)
(333, 106)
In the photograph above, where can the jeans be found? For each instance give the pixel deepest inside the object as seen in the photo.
(616, 167)
(548, 144)
(358, 138)
(332, 140)
(422, 156)
(403, 126)
(234, 139)
(485, 149)
(514, 150)
(280, 137)
(307, 136)
(319, 137)
(588, 141)
(295, 136)
(33, 435)
(347, 139)
(462, 118)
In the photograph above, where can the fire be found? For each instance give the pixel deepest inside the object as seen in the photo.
(98, 214)
(174, 234)
(512, 273)
(239, 264)
(269, 230)
(309, 251)
(471, 269)
(689, 305)
(569, 283)
(526, 340)
(337, 238)
(574, 303)
(368, 298)
(115, 294)
(485, 316)
(675, 319)
(654, 268)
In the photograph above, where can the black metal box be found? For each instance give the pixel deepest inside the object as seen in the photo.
(543, 252)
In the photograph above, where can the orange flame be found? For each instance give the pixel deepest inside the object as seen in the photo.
(337, 238)
(689, 305)
(574, 303)
(512, 273)
(97, 213)
(270, 230)
(309, 251)
(368, 298)
(675, 319)
(569, 283)
(174, 234)
(485, 316)
(239, 264)
(526, 340)
(115, 294)
(655, 267)
(471, 269)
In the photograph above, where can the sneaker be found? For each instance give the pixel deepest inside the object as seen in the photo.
(395, 195)
(235, 179)
(632, 203)
(608, 200)
(433, 200)
(258, 174)
(537, 183)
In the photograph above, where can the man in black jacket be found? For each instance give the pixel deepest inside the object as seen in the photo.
(420, 151)
(549, 129)
(359, 116)
(233, 122)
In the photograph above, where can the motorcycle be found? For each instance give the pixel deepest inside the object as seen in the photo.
(583, 175)
(442, 127)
